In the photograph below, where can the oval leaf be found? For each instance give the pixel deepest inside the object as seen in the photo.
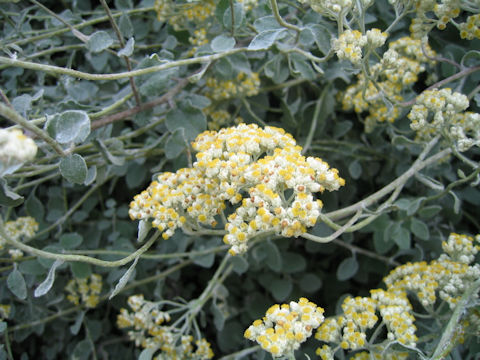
(419, 229)
(265, 39)
(347, 269)
(188, 118)
(99, 41)
(70, 240)
(175, 144)
(280, 289)
(222, 43)
(74, 169)
(16, 284)
(72, 126)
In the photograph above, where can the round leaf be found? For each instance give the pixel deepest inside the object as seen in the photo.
(72, 126)
(280, 288)
(293, 262)
(222, 43)
(188, 118)
(355, 169)
(74, 169)
(99, 41)
(310, 283)
(70, 240)
(347, 269)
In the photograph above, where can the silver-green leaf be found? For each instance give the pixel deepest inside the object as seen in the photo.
(74, 169)
(99, 41)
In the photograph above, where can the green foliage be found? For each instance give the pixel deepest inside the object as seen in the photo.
(114, 93)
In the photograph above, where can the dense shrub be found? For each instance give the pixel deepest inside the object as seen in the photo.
(239, 179)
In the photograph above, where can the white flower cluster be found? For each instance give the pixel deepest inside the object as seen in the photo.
(25, 226)
(285, 326)
(449, 275)
(15, 150)
(461, 248)
(350, 43)
(396, 312)
(431, 13)
(248, 4)
(400, 66)
(470, 29)
(262, 169)
(350, 329)
(442, 112)
(85, 290)
(150, 332)
(330, 8)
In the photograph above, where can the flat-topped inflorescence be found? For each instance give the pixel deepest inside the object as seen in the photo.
(284, 327)
(260, 171)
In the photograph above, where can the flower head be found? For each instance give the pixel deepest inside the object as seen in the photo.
(285, 326)
(15, 150)
(252, 168)
(149, 330)
(85, 290)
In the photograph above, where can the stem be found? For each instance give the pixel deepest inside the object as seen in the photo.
(196, 305)
(400, 181)
(313, 125)
(122, 44)
(336, 233)
(15, 117)
(130, 112)
(250, 111)
(121, 75)
(241, 354)
(62, 313)
(280, 20)
(72, 209)
(80, 258)
(7, 344)
(446, 344)
(357, 249)
(232, 11)
(78, 26)
(456, 76)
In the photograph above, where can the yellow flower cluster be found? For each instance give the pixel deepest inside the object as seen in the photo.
(243, 85)
(248, 4)
(178, 14)
(23, 227)
(390, 355)
(431, 13)
(349, 331)
(399, 68)
(85, 290)
(15, 150)
(219, 118)
(471, 28)
(4, 311)
(284, 327)
(442, 112)
(350, 43)
(330, 8)
(150, 332)
(448, 276)
(264, 165)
